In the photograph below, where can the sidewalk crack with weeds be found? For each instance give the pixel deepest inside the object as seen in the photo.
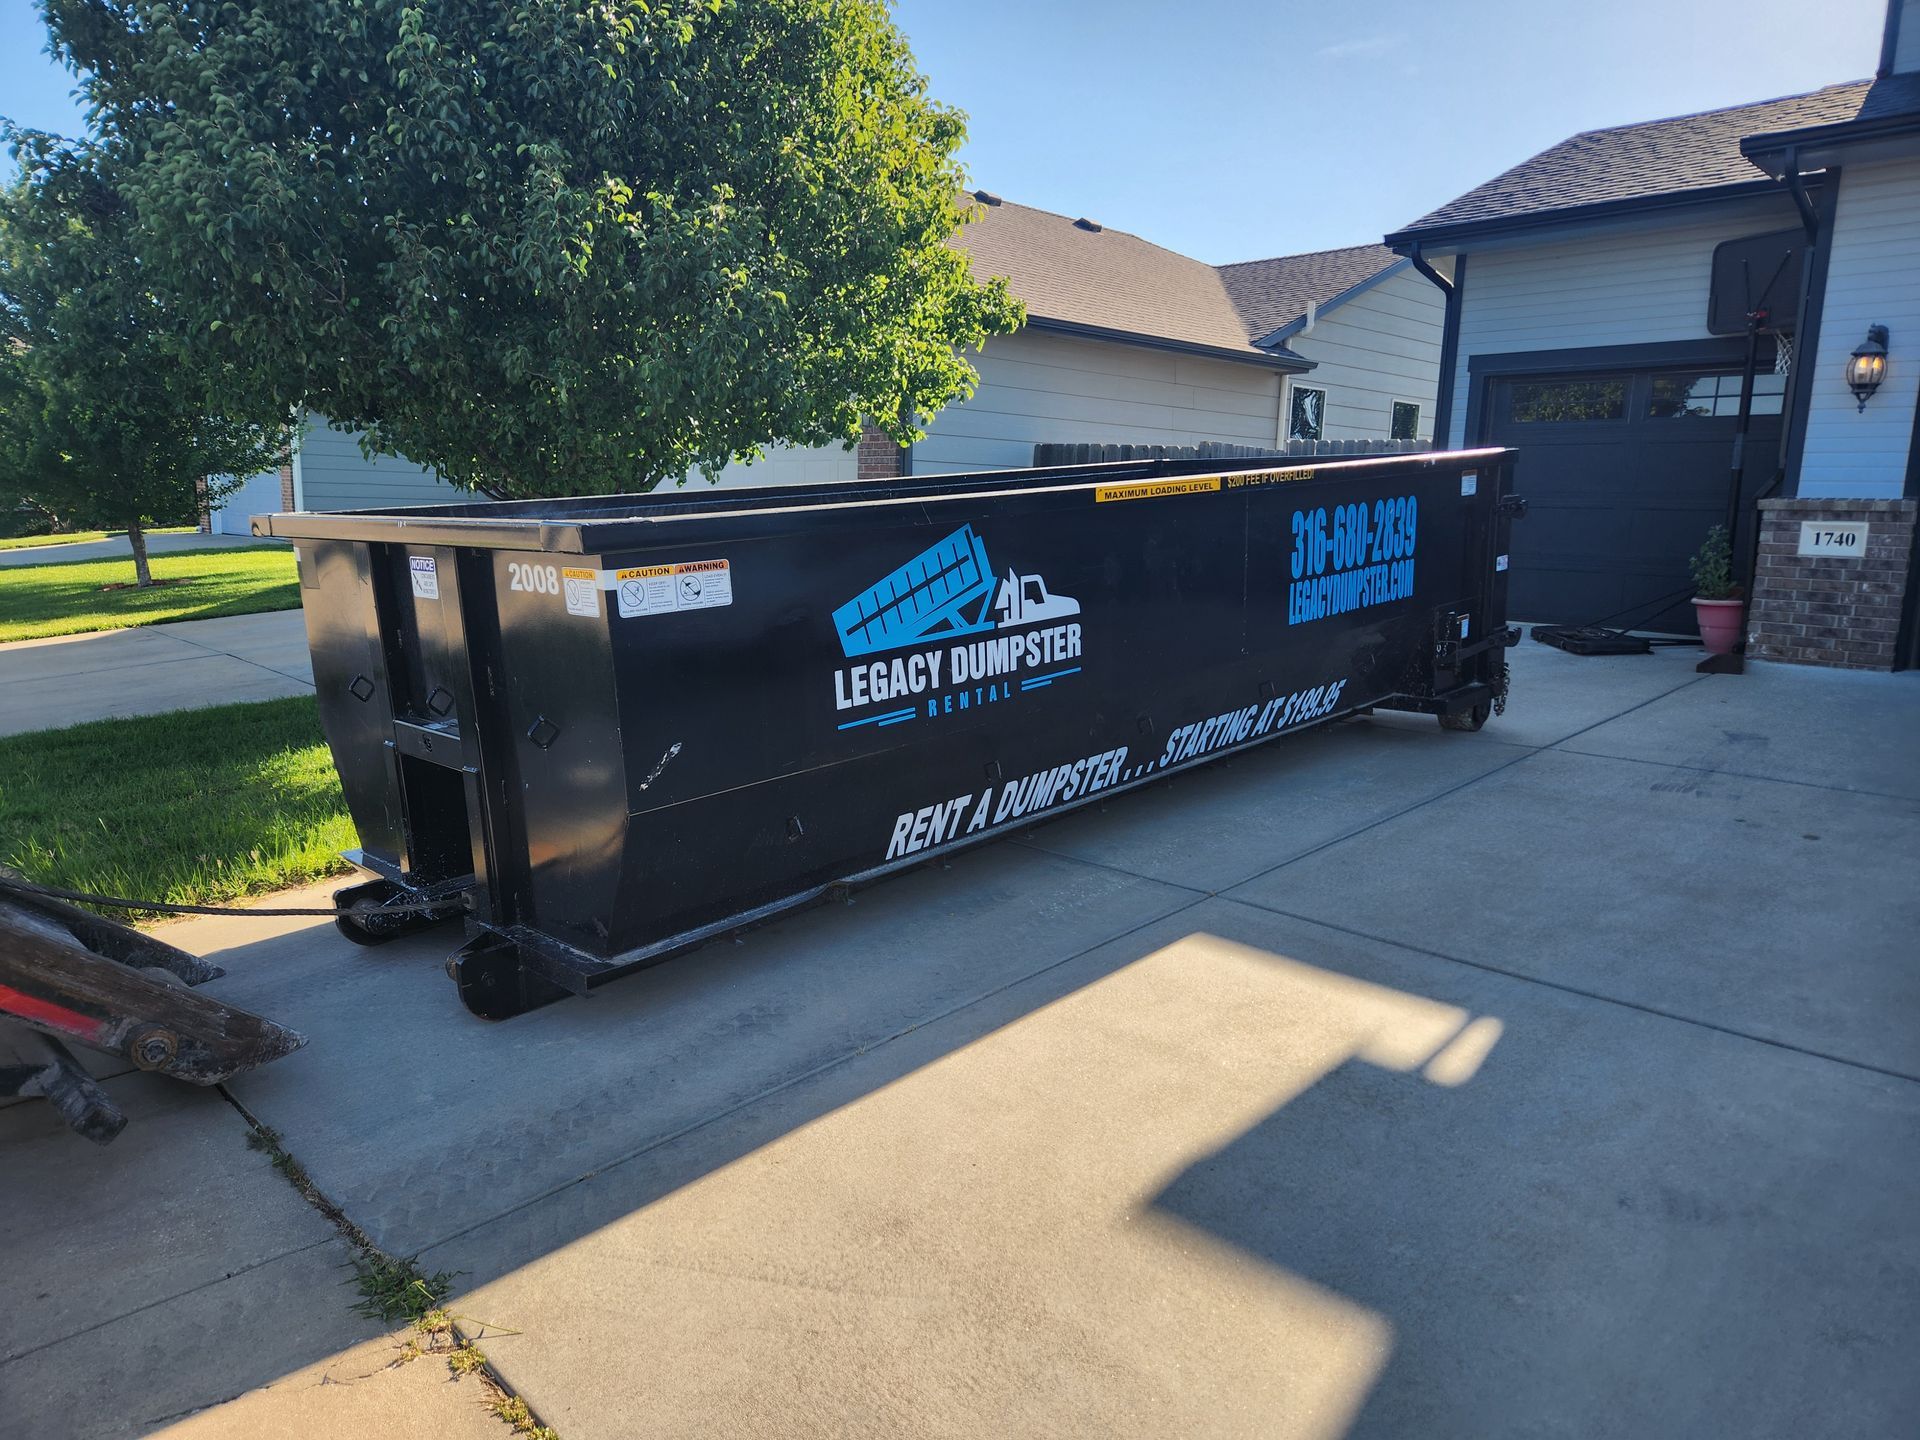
(394, 1288)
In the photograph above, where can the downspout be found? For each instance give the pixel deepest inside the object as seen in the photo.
(1420, 263)
(1449, 343)
(1790, 410)
(1811, 273)
(1796, 187)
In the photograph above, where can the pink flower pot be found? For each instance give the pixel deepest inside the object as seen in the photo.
(1719, 623)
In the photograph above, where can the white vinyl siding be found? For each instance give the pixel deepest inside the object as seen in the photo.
(257, 495)
(1626, 286)
(1036, 386)
(1873, 278)
(334, 475)
(789, 465)
(1906, 51)
(1381, 346)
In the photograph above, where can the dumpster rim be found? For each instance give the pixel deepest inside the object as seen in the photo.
(420, 525)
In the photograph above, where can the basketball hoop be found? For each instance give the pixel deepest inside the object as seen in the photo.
(1782, 354)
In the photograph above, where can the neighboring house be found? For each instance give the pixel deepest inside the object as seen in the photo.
(1125, 343)
(1130, 343)
(329, 472)
(1370, 324)
(1577, 328)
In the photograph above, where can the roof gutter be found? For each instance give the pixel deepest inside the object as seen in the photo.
(1768, 151)
(1404, 241)
(1266, 359)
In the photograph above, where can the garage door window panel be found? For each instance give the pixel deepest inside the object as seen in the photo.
(1577, 400)
(1702, 395)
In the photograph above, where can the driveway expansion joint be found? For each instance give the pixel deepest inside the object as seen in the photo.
(246, 1269)
(1580, 992)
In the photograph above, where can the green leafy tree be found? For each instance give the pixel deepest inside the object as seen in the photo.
(546, 246)
(100, 424)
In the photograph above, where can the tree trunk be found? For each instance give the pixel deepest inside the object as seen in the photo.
(137, 538)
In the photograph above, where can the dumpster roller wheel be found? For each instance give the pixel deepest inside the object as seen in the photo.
(495, 983)
(1468, 720)
(366, 923)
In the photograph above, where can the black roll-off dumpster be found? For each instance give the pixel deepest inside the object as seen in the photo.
(606, 729)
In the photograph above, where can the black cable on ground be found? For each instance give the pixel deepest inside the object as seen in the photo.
(121, 902)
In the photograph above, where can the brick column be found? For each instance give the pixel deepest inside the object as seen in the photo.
(878, 458)
(200, 505)
(1831, 610)
(286, 488)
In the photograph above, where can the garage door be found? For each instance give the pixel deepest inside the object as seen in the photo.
(259, 495)
(1624, 471)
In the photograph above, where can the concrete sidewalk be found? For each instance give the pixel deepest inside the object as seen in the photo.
(115, 547)
(1560, 1079)
(145, 669)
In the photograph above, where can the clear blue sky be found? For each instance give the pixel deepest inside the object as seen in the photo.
(1232, 129)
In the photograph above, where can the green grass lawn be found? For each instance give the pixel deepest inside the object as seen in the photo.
(66, 597)
(80, 537)
(196, 807)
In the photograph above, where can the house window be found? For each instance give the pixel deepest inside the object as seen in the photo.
(1690, 393)
(1306, 413)
(1406, 421)
(1543, 402)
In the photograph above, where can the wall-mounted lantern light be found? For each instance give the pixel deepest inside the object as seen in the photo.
(1867, 366)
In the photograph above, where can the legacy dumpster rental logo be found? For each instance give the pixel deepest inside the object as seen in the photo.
(929, 608)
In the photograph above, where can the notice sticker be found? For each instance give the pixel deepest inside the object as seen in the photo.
(668, 589)
(425, 576)
(1500, 563)
(1470, 483)
(582, 590)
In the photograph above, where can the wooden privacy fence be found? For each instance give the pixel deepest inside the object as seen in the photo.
(1051, 452)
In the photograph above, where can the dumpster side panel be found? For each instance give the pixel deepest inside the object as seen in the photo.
(352, 688)
(919, 677)
(650, 721)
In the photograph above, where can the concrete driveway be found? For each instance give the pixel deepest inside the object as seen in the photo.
(143, 670)
(1558, 1080)
(115, 547)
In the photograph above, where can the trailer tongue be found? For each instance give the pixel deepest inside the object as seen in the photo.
(70, 976)
(609, 729)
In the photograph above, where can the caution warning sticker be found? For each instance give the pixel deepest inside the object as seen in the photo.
(1156, 489)
(667, 589)
(582, 590)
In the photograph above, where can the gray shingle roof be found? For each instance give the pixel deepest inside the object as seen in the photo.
(1635, 162)
(1106, 279)
(1272, 293)
(1891, 98)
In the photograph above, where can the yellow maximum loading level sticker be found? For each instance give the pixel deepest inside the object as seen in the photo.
(1155, 489)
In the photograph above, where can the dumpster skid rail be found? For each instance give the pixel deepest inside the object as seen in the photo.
(611, 728)
(70, 976)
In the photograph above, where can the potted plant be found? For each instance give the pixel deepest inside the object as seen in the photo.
(1717, 603)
